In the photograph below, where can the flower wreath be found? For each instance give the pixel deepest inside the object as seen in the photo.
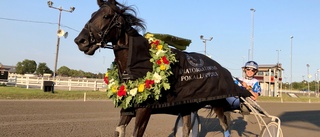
(125, 94)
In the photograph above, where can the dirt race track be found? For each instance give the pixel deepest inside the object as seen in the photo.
(40, 118)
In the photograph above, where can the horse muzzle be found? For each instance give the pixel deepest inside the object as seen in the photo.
(85, 46)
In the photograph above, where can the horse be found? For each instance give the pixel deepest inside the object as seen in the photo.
(117, 24)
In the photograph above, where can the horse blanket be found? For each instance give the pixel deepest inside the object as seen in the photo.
(196, 77)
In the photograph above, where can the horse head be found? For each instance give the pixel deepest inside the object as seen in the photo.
(108, 24)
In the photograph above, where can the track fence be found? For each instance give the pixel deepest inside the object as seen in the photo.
(66, 83)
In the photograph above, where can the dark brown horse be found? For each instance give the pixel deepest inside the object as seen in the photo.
(116, 24)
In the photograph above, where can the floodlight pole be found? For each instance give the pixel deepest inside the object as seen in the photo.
(278, 56)
(318, 80)
(205, 43)
(308, 76)
(291, 64)
(252, 33)
(50, 3)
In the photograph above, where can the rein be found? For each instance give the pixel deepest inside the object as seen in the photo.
(115, 47)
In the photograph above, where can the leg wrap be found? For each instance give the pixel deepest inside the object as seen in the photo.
(120, 131)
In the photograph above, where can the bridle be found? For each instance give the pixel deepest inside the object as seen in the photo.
(95, 34)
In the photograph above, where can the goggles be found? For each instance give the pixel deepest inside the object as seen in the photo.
(251, 69)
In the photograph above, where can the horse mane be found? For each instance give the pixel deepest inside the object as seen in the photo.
(128, 13)
(133, 20)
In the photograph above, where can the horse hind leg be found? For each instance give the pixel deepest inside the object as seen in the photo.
(121, 128)
(186, 125)
(227, 120)
(224, 119)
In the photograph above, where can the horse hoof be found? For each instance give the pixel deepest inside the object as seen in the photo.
(116, 134)
(227, 134)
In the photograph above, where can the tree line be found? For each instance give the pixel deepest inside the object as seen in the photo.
(30, 67)
(303, 86)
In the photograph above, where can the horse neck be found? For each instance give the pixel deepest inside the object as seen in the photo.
(134, 61)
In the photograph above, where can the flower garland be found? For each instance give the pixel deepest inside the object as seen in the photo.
(126, 94)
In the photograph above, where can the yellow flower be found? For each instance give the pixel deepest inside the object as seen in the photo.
(148, 36)
(159, 47)
(114, 89)
(106, 75)
(141, 88)
(162, 67)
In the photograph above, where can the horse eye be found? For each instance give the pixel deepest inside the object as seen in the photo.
(106, 16)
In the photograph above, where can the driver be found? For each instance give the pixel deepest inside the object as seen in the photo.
(248, 82)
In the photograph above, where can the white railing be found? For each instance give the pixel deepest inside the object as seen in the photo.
(69, 83)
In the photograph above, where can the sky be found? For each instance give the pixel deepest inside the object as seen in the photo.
(28, 31)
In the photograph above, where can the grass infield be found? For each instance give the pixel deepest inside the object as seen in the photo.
(17, 93)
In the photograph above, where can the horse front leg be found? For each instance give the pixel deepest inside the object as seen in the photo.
(142, 119)
(121, 128)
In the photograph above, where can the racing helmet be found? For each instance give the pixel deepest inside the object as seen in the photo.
(252, 64)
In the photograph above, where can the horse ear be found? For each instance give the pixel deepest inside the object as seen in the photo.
(100, 2)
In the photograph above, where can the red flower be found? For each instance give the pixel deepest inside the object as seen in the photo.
(164, 59)
(106, 80)
(122, 91)
(149, 83)
(159, 62)
(154, 44)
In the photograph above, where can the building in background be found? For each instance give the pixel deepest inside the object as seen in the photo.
(5, 70)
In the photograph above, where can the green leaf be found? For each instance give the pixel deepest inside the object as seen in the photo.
(109, 94)
(127, 101)
(166, 86)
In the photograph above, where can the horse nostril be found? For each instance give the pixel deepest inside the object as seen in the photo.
(80, 41)
(83, 41)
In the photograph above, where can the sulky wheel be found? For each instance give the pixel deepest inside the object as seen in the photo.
(273, 128)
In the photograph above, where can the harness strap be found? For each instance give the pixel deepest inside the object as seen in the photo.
(128, 74)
